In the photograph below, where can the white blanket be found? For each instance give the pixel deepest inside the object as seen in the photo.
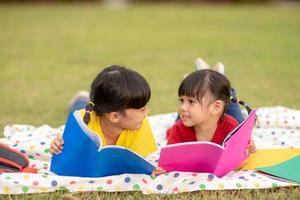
(277, 127)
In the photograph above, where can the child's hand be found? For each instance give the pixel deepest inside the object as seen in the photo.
(251, 148)
(57, 144)
(158, 171)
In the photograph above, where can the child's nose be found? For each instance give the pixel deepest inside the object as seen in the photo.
(183, 107)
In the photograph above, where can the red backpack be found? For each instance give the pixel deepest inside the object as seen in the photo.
(13, 161)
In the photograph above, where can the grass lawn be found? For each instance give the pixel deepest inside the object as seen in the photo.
(48, 52)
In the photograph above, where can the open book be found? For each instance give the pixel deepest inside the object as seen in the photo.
(207, 156)
(84, 156)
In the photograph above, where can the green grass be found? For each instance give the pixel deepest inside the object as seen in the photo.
(48, 52)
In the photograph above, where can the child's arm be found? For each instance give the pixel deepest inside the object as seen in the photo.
(158, 171)
(56, 145)
(251, 148)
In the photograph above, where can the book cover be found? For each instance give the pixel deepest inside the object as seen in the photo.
(269, 157)
(207, 156)
(284, 171)
(84, 156)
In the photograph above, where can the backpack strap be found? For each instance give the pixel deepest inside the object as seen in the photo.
(12, 160)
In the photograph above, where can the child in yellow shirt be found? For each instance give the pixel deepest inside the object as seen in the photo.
(117, 112)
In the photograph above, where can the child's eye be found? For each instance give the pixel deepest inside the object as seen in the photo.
(180, 100)
(191, 101)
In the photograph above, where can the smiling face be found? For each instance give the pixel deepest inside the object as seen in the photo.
(203, 95)
(193, 112)
(132, 118)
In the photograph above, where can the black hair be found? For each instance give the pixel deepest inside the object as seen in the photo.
(117, 88)
(202, 82)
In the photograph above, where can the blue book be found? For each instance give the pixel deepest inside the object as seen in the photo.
(84, 156)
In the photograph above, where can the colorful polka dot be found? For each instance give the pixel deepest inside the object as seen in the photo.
(176, 175)
(99, 188)
(118, 188)
(72, 182)
(26, 176)
(191, 183)
(202, 186)
(54, 183)
(136, 187)
(175, 190)
(25, 189)
(210, 176)
(31, 147)
(144, 181)
(43, 189)
(127, 180)
(159, 187)
(81, 188)
(6, 190)
(46, 150)
(35, 183)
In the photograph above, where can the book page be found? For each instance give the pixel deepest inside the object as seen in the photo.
(114, 160)
(190, 157)
(91, 134)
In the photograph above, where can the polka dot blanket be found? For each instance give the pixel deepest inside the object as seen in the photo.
(277, 127)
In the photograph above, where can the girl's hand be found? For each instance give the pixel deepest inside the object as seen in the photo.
(56, 145)
(251, 148)
(158, 171)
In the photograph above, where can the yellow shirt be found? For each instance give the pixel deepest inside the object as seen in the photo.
(141, 140)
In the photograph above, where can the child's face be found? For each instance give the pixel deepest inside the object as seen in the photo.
(133, 118)
(192, 112)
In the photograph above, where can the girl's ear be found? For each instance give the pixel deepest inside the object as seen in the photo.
(114, 117)
(217, 107)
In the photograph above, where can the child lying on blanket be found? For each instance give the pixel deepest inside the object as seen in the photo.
(204, 96)
(117, 112)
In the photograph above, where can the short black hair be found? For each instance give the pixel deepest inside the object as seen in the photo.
(201, 82)
(117, 88)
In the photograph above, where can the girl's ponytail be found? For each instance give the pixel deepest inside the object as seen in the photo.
(243, 103)
(88, 109)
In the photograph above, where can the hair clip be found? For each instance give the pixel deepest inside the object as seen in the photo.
(89, 107)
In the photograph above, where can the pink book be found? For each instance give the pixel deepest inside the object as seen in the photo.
(207, 156)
